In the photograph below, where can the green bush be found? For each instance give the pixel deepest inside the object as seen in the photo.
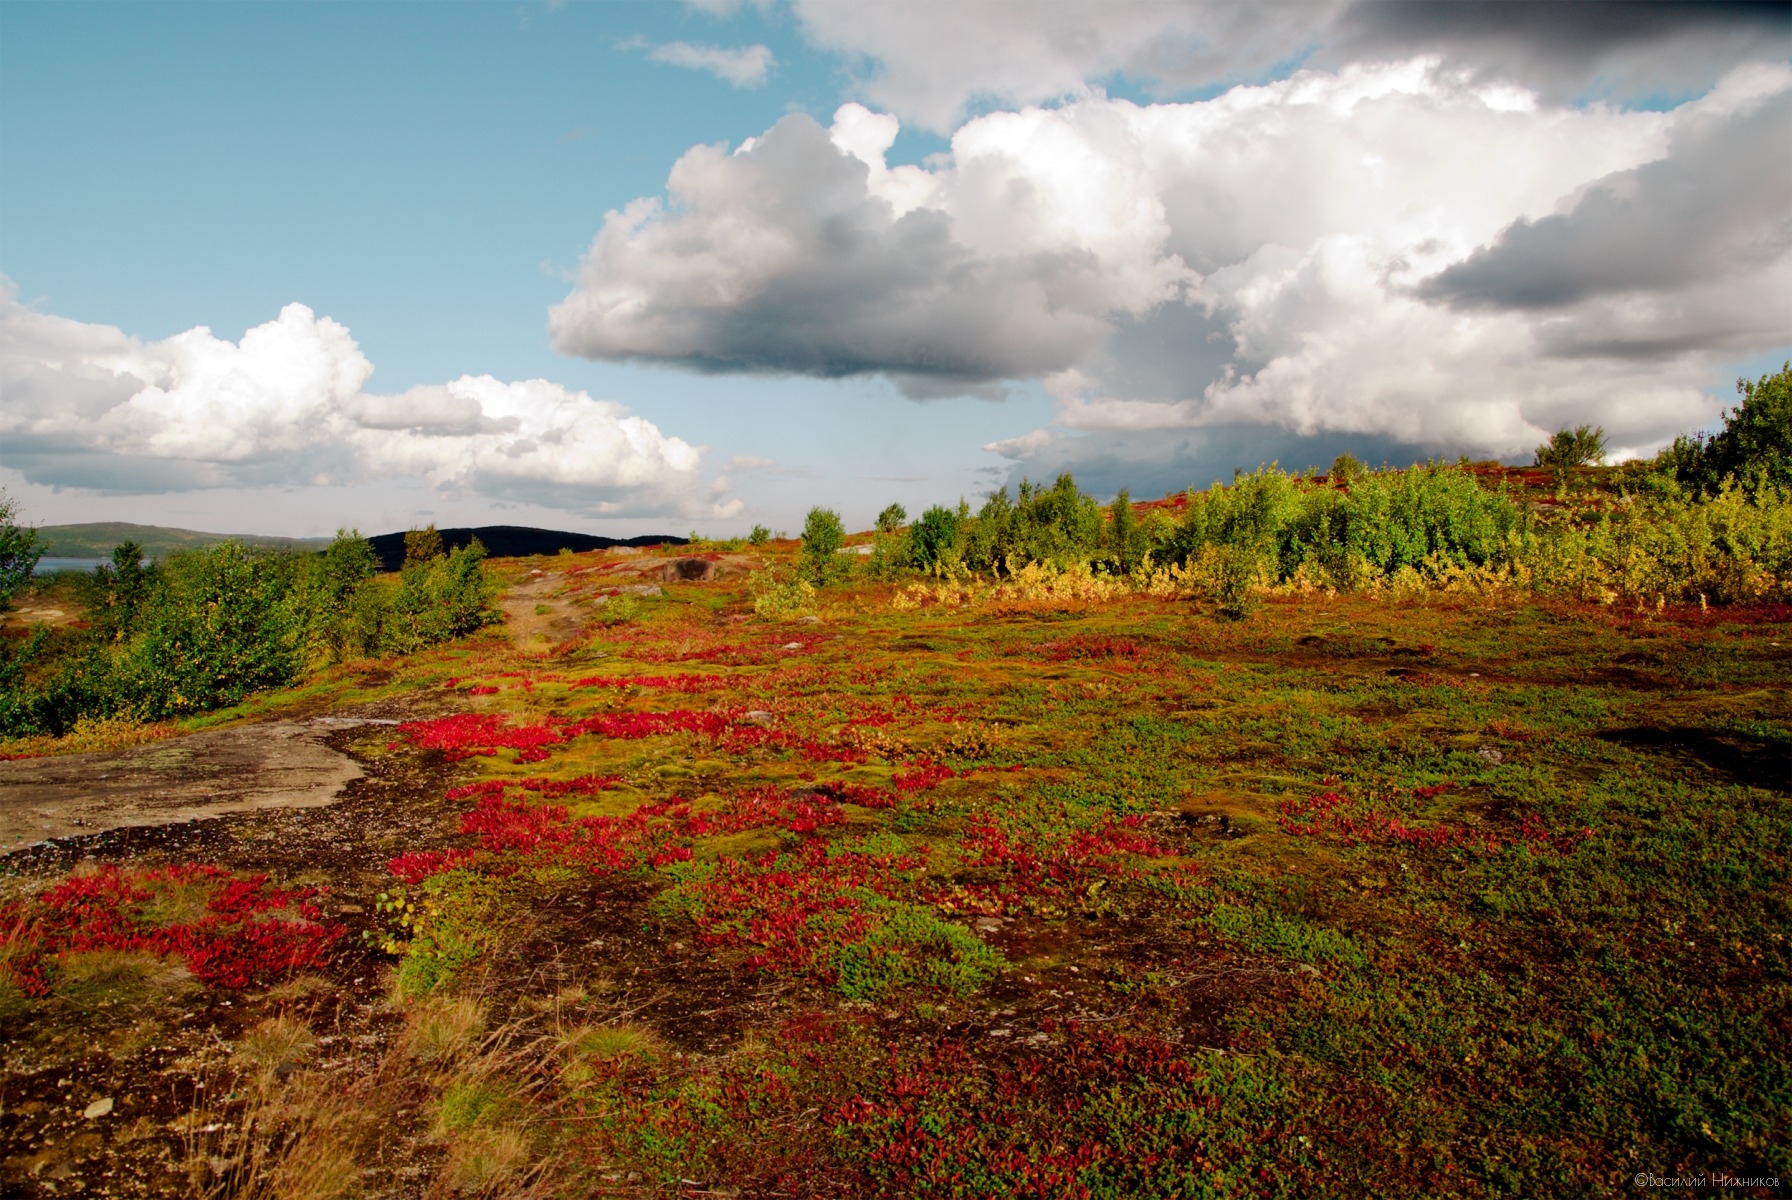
(1058, 525)
(204, 629)
(1729, 548)
(891, 519)
(759, 536)
(223, 623)
(1423, 518)
(20, 549)
(823, 535)
(1582, 446)
(784, 600)
(440, 599)
(933, 540)
(1126, 542)
(344, 606)
(1345, 470)
(117, 591)
(422, 546)
(1754, 447)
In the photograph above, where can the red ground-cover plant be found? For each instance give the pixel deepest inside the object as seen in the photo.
(1097, 1113)
(651, 646)
(468, 735)
(788, 910)
(639, 725)
(246, 932)
(855, 793)
(1732, 614)
(582, 785)
(1037, 865)
(514, 833)
(765, 807)
(1090, 645)
(1352, 822)
(672, 683)
(923, 774)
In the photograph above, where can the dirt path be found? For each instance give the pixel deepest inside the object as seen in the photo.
(277, 764)
(532, 629)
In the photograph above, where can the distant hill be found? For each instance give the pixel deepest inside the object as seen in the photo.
(97, 538)
(514, 541)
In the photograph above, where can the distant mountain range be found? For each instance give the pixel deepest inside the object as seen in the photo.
(514, 541)
(96, 540)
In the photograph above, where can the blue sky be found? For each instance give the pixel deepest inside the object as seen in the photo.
(431, 179)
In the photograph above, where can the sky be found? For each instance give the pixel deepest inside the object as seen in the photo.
(638, 268)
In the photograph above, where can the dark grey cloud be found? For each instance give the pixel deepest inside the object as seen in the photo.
(1644, 263)
(933, 63)
(1565, 46)
(1156, 463)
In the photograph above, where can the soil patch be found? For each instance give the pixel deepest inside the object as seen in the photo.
(162, 1057)
(275, 764)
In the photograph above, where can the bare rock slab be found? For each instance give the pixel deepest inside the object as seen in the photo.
(276, 764)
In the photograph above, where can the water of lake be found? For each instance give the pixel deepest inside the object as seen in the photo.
(48, 566)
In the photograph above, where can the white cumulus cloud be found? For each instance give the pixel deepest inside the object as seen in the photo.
(1369, 252)
(89, 406)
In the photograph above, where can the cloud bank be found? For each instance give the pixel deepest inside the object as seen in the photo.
(933, 63)
(1401, 251)
(88, 406)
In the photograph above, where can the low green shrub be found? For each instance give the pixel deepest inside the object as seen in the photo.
(784, 600)
(1754, 448)
(204, 629)
(819, 560)
(933, 540)
(440, 599)
(20, 548)
(1582, 446)
(1383, 522)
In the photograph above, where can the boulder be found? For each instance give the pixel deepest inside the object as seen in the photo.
(689, 570)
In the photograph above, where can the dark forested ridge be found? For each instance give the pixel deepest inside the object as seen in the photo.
(96, 540)
(513, 541)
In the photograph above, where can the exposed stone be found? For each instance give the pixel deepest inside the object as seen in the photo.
(689, 570)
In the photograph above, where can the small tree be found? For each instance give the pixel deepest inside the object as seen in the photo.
(760, 536)
(1345, 470)
(220, 624)
(823, 535)
(422, 546)
(892, 518)
(446, 597)
(1126, 541)
(933, 540)
(345, 608)
(1582, 446)
(1754, 446)
(119, 590)
(20, 548)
